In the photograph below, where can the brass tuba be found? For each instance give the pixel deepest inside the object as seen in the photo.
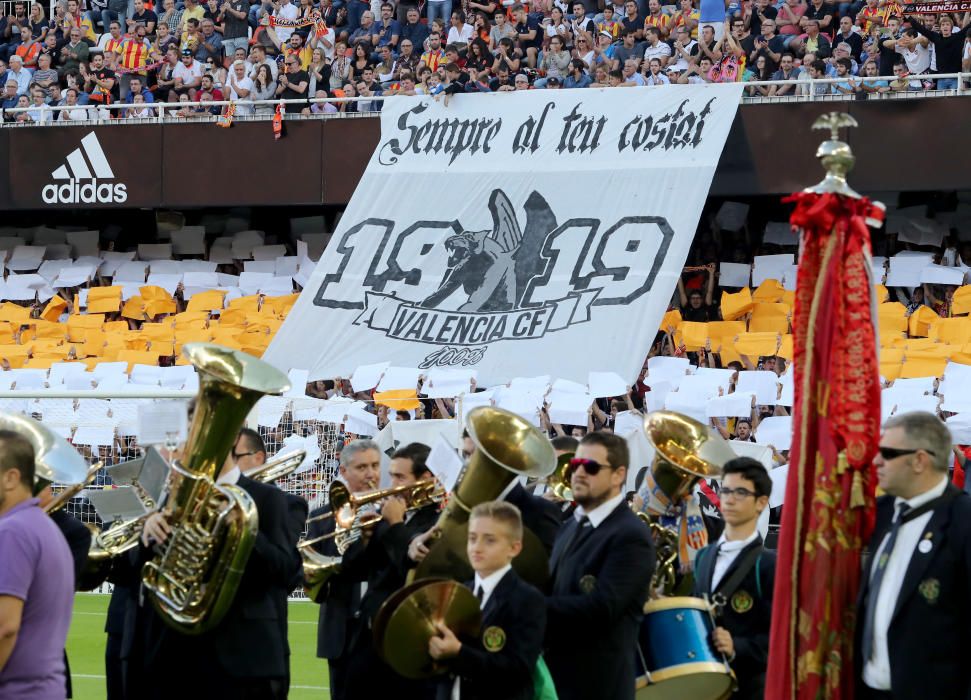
(686, 451)
(506, 447)
(193, 581)
(55, 460)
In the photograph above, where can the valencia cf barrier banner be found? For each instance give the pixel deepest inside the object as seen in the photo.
(520, 234)
(934, 8)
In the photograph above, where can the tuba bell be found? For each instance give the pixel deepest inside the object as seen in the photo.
(55, 460)
(193, 580)
(686, 451)
(506, 447)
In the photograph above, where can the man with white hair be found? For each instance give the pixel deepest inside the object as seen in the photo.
(240, 86)
(19, 74)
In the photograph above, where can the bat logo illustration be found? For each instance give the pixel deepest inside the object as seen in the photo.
(494, 267)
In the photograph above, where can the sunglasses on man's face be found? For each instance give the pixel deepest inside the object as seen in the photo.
(889, 453)
(590, 466)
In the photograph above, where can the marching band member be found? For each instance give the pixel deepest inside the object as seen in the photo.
(501, 661)
(738, 574)
(601, 569)
(245, 656)
(36, 583)
(914, 619)
(341, 627)
(249, 452)
(387, 566)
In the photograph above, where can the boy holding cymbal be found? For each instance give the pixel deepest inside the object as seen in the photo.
(501, 662)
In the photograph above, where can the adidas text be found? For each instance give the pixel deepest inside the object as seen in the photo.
(86, 192)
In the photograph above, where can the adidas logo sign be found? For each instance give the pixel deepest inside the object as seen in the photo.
(81, 175)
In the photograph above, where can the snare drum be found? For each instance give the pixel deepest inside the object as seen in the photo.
(675, 658)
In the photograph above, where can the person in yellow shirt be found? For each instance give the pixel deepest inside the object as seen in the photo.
(656, 18)
(193, 10)
(294, 46)
(687, 17)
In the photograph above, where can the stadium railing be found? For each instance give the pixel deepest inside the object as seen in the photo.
(804, 91)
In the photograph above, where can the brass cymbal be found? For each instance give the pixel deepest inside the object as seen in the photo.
(389, 606)
(412, 624)
(447, 558)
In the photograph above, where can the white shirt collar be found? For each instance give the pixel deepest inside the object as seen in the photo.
(230, 477)
(926, 497)
(600, 513)
(489, 583)
(725, 545)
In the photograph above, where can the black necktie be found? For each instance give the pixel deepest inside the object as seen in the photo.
(583, 527)
(877, 581)
(479, 594)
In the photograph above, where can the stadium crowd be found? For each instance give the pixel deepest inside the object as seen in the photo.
(99, 52)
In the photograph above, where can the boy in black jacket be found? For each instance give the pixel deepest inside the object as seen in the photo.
(501, 662)
(738, 575)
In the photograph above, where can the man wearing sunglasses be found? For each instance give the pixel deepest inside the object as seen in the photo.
(601, 569)
(914, 620)
(738, 575)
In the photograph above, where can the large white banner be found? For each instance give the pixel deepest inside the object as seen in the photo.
(517, 233)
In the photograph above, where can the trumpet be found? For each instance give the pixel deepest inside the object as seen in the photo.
(280, 467)
(345, 507)
(350, 522)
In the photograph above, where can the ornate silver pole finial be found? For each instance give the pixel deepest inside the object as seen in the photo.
(835, 155)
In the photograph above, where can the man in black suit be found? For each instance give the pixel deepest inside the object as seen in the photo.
(601, 570)
(249, 453)
(245, 655)
(738, 575)
(914, 626)
(342, 626)
(500, 662)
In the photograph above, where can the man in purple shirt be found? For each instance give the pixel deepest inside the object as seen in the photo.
(36, 583)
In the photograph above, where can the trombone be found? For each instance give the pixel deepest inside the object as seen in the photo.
(345, 507)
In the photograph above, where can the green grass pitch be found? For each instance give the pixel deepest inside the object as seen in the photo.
(86, 649)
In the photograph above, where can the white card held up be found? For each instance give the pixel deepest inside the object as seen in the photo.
(940, 274)
(763, 383)
(445, 463)
(628, 422)
(26, 257)
(190, 240)
(779, 475)
(154, 251)
(83, 243)
(361, 422)
(760, 453)
(399, 378)
(780, 233)
(447, 383)
(736, 405)
(606, 384)
(775, 431)
(734, 274)
(731, 216)
(366, 377)
(960, 427)
(567, 408)
(686, 404)
(905, 270)
(298, 382)
(771, 267)
(161, 422)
